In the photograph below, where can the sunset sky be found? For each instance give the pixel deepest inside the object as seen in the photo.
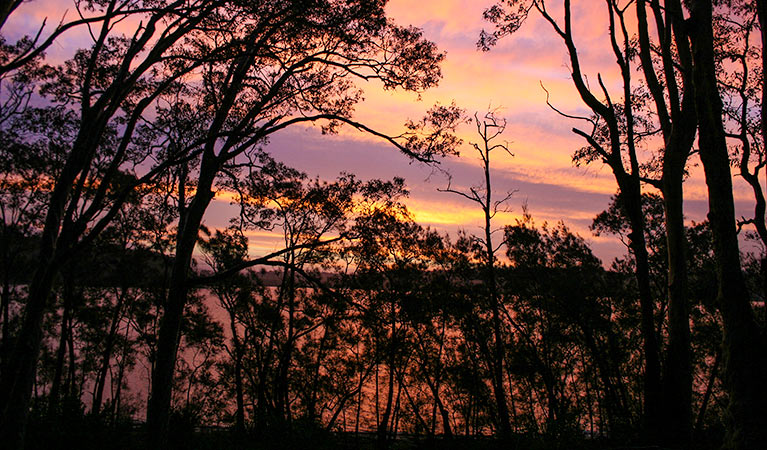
(508, 77)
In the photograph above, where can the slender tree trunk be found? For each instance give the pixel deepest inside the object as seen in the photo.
(283, 369)
(71, 384)
(117, 397)
(358, 411)
(53, 397)
(745, 367)
(5, 323)
(383, 424)
(440, 406)
(106, 355)
(631, 198)
(311, 408)
(395, 421)
(499, 352)
(709, 391)
(158, 409)
(677, 379)
(614, 407)
(239, 424)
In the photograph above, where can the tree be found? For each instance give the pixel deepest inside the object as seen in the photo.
(116, 80)
(675, 110)
(393, 257)
(744, 358)
(616, 132)
(297, 67)
(27, 168)
(223, 250)
(560, 315)
(704, 320)
(489, 129)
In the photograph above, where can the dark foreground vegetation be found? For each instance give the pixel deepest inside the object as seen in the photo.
(125, 438)
(127, 322)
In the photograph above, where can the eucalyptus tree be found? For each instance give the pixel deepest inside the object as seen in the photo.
(392, 264)
(739, 62)
(26, 168)
(744, 357)
(109, 88)
(222, 250)
(115, 83)
(561, 321)
(434, 314)
(669, 79)
(295, 64)
(705, 322)
(490, 128)
(618, 128)
(303, 212)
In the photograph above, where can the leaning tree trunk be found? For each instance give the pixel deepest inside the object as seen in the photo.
(745, 367)
(16, 385)
(106, 355)
(58, 372)
(158, 409)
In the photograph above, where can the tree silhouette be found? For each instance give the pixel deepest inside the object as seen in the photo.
(117, 79)
(612, 140)
(744, 359)
(489, 129)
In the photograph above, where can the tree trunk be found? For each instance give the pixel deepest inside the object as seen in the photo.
(499, 352)
(158, 409)
(614, 405)
(709, 391)
(383, 425)
(745, 368)
(72, 391)
(117, 399)
(53, 397)
(16, 385)
(106, 355)
(5, 322)
(239, 424)
(677, 377)
(630, 195)
(761, 210)
(283, 369)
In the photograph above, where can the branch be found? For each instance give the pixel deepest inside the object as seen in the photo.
(592, 142)
(742, 222)
(652, 182)
(264, 260)
(569, 116)
(424, 157)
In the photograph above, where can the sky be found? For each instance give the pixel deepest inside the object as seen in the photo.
(507, 78)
